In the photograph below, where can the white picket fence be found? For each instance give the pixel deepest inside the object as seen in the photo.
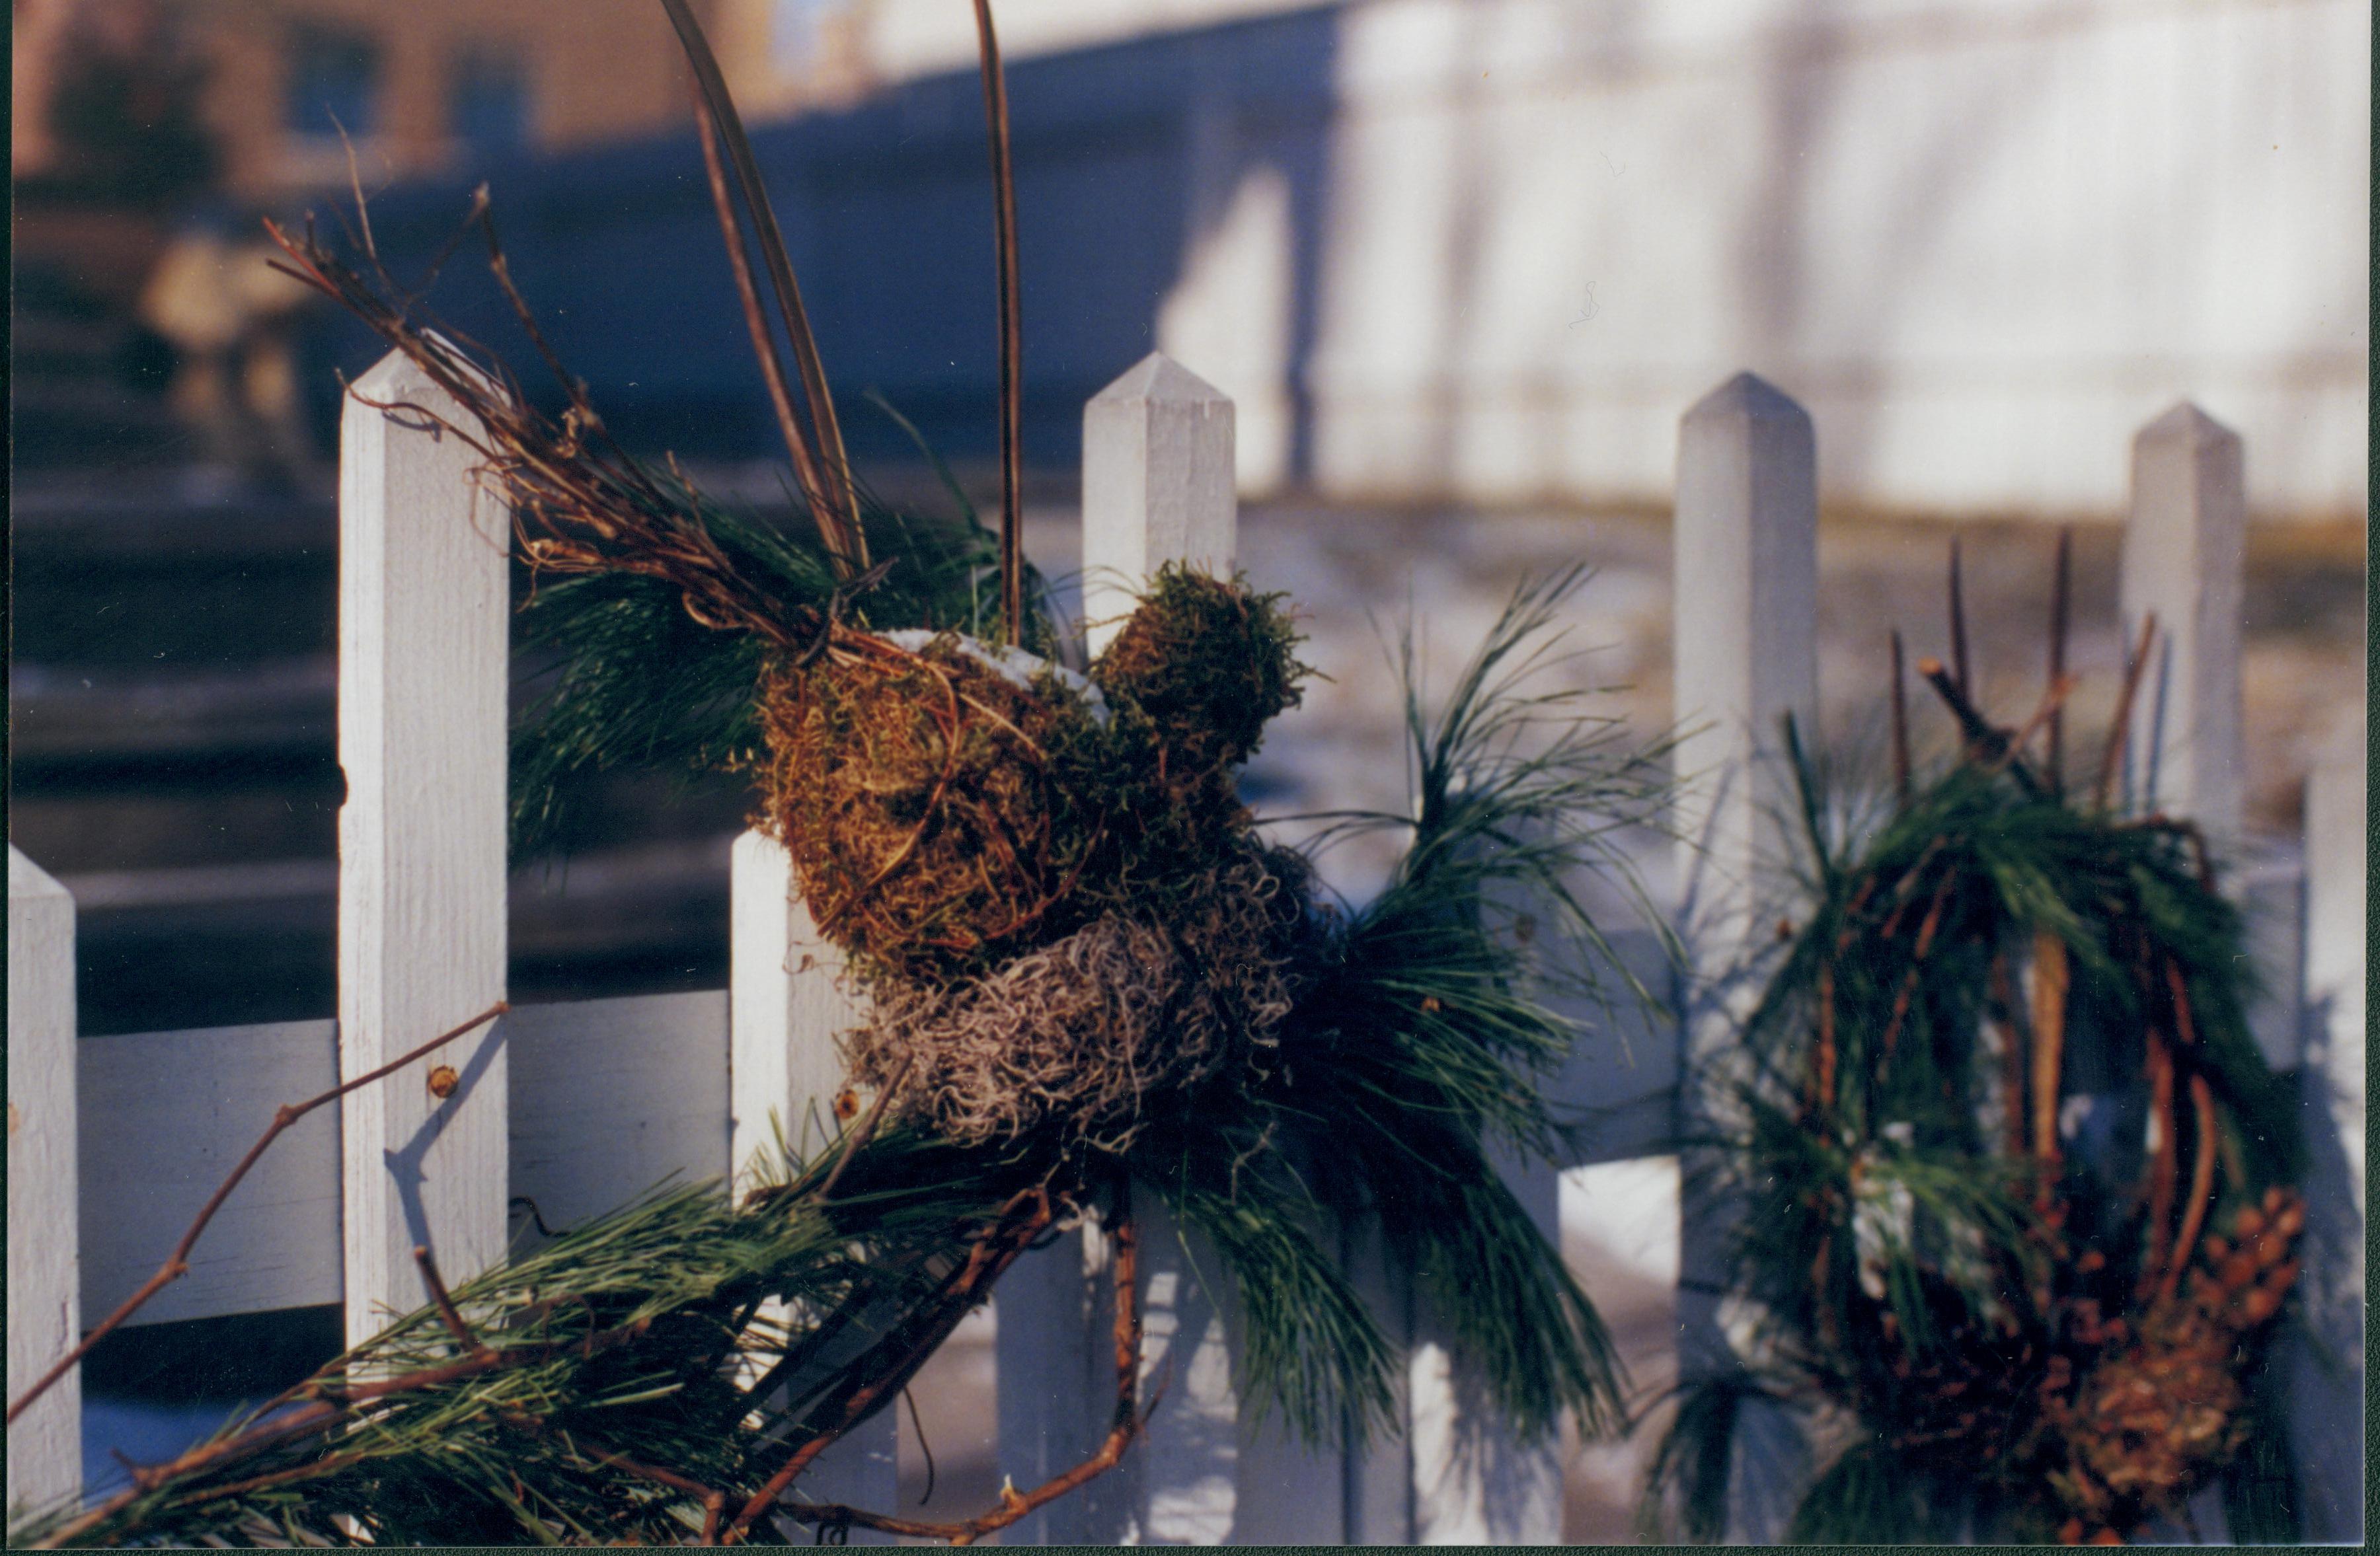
(114, 1142)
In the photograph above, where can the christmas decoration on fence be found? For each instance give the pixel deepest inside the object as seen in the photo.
(2015, 1180)
(1091, 982)
(627, 1380)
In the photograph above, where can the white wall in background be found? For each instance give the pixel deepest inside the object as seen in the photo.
(1981, 240)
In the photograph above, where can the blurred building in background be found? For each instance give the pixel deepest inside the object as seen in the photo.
(1472, 252)
(1469, 249)
(417, 88)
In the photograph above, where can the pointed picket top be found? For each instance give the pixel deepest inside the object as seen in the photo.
(1158, 379)
(1748, 397)
(387, 379)
(396, 378)
(2184, 553)
(28, 880)
(2184, 422)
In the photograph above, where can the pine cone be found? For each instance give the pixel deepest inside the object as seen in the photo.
(2157, 1417)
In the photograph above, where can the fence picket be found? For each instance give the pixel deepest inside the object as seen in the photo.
(1377, 1483)
(786, 1007)
(44, 1305)
(1473, 1482)
(1744, 645)
(2183, 549)
(421, 938)
(1159, 486)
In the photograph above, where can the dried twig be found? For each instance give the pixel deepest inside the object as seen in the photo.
(859, 1136)
(177, 1263)
(2052, 975)
(1958, 625)
(2165, 1162)
(2119, 732)
(906, 1349)
(1900, 764)
(2202, 1167)
(576, 508)
(1986, 744)
(1127, 1423)
(925, 1445)
(1908, 991)
(1011, 369)
(764, 343)
(2045, 711)
(443, 1300)
(829, 433)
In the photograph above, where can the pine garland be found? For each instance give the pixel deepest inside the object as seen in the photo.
(2023, 1300)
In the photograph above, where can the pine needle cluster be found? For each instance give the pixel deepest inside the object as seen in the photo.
(615, 1384)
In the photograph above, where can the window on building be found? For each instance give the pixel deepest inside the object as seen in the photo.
(487, 101)
(333, 82)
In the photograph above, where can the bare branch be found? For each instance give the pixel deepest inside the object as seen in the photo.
(764, 344)
(2121, 730)
(177, 1263)
(1012, 328)
(1128, 1423)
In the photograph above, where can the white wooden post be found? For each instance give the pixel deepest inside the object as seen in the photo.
(786, 1007)
(2326, 1363)
(1744, 649)
(44, 1275)
(2183, 551)
(1377, 1485)
(421, 941)
(1158, 486)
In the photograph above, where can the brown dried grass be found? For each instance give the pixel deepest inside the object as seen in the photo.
(1087, 1030)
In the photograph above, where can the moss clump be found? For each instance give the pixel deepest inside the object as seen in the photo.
(1210, 662)
(948, 808)
(1048, 887)
(913, 790)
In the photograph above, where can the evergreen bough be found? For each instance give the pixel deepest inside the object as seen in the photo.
(2013, 1178)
